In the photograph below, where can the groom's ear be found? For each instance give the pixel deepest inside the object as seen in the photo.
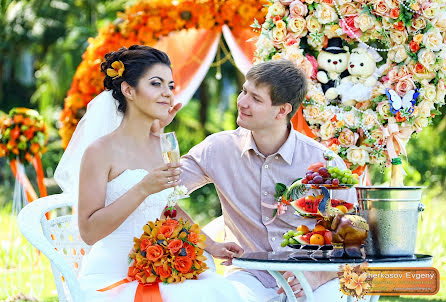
(127, 90)
(284, 109)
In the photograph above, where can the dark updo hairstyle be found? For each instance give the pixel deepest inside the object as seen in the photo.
(137, 59)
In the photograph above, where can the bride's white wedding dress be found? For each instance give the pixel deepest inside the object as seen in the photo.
(107, 261)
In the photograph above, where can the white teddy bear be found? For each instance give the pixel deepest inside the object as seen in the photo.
(332, 61)
(359, 85)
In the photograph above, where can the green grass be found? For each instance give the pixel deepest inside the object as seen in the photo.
(431, 239)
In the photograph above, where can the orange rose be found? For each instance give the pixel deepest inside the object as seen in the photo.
(175, 245)
(192, 237)
(172, 222)
(395, 13)
(154, 252)
(18, 118)
(35, 148)
(164, 273)
(144, 244)
(166, 230)
(414, 46)
(183, 264)
(190, 250)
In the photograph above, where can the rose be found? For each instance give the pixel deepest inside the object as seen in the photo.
(430, 9)
(350, 119)
(326, 115)
(378, 135)
(429, 92)
(420, 72)
(414, 46)
(440, 21)
(276, 9)
(398, 37)
(285, 2)
(164, 272)
(364, 22)
(369, 119)
(347, 138)
(281, 25)
(404, 85)
(313, 24)
(294, 54)
(314, 65)
(441, 92)
(358, 155)
(327, 130)
(377, 158)
(192, 237)
(433, 40)
(421, 122)
(398, 54)
(325, 14)
(297, 8)
(144, 244)
(418, 38)
(349, 9)
(381, 8)
(264, 46)
(386, 24)
(183, 264)
(278, 36)
(190, 250)
(418, 24)
(308, 68)
(427, 58)
(296, 25)
(319, 98)
(425, 108)
(394, 13)
(348, 27)
(383, 109)
(175, 245)
(331, 31)
(312, 114)
(154, 252)
(166, 230)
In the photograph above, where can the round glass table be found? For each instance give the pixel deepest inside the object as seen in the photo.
(301, 261)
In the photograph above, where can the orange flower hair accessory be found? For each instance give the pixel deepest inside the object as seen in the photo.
(117, 70)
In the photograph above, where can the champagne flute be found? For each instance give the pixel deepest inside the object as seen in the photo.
(171, 154)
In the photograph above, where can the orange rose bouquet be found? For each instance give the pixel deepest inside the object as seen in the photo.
(168, 251)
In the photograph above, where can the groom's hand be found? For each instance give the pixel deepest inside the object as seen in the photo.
(160, 124)
(226, 250)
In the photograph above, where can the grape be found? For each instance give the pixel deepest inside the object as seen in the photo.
(286, 236)
(292, 241)
(298, 233)
(304, 181)
(315, 174)
(336, 170)
(322, 170)
(309, 172)
(335, 181)
(328, 182)
(311, 182)
(318, 179)
(309, 176)
(344, 180)
(284, 243)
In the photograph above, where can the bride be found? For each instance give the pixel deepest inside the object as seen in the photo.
(115, 165)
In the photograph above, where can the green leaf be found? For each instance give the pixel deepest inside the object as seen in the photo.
(256, 24)
(280, 189)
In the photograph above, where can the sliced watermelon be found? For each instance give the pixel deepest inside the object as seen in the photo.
(302, 239)
(307, 206)
(340, 202)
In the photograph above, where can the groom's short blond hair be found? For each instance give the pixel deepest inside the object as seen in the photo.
(287, 83)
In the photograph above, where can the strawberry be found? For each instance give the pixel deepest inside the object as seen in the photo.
(170, 212)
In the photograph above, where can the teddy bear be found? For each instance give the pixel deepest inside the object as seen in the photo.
(359, 85)
(332, 61)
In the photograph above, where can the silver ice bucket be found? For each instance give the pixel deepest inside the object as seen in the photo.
(392, 214)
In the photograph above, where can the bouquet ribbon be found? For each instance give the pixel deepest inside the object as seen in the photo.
(144, 293)
(300, 125)
(395, 139)
(279, 206)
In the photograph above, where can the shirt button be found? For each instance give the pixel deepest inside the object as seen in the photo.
(266, 166)
(273, 253)
(266, 218)
(273, 239)
(276, 157)
(265, 193)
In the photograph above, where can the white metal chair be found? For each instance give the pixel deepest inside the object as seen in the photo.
(59, 240)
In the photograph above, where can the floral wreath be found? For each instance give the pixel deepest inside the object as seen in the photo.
(369, 116)
(145, 23)
(23, 135)
(355, 281)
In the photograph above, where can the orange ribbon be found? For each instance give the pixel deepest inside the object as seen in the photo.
(144, 293)
(395, 136)
(300, 125)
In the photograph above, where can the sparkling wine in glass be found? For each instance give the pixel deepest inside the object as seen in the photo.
(171, 154)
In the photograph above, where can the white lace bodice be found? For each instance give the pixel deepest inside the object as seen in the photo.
(150, 209)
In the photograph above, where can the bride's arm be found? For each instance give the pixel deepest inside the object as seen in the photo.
(96, 220)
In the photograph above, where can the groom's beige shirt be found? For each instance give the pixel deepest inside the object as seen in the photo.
(244, 179)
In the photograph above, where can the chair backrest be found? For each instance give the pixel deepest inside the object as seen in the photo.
(58, 239)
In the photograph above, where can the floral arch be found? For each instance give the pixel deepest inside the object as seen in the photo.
(166, 25)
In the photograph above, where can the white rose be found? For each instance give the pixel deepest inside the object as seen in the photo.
(294, 54)
(425, 108)
(364, 22)
(327, 131)
(398, 37)
(326, 14)
(398, 54)
(296, 25)
(421, 122)
(358, 155)
(427, 58)
(430, 10)
(276, 9)
(418, 23)
(319, 98)
(350, 119)
(377, 134)
(349, 9)
(327, 115)
(312, 114)
(369, 119)
(297, 8)
(383, 109)
(440, 21)
(264, 46)
(433, 40)
(278, 36)
(313, 24)
(441, 92)
(429, 92)
(381, 8)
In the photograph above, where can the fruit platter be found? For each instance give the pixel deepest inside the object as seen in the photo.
(318, 239)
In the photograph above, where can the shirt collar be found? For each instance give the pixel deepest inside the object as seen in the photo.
(286, 151)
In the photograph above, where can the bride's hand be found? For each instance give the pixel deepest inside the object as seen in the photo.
(164, 177)
(160, 124)
(225, 250)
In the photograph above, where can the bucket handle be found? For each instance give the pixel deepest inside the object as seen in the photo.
(421, 207)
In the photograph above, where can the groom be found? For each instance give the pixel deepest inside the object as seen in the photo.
(246, 163)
